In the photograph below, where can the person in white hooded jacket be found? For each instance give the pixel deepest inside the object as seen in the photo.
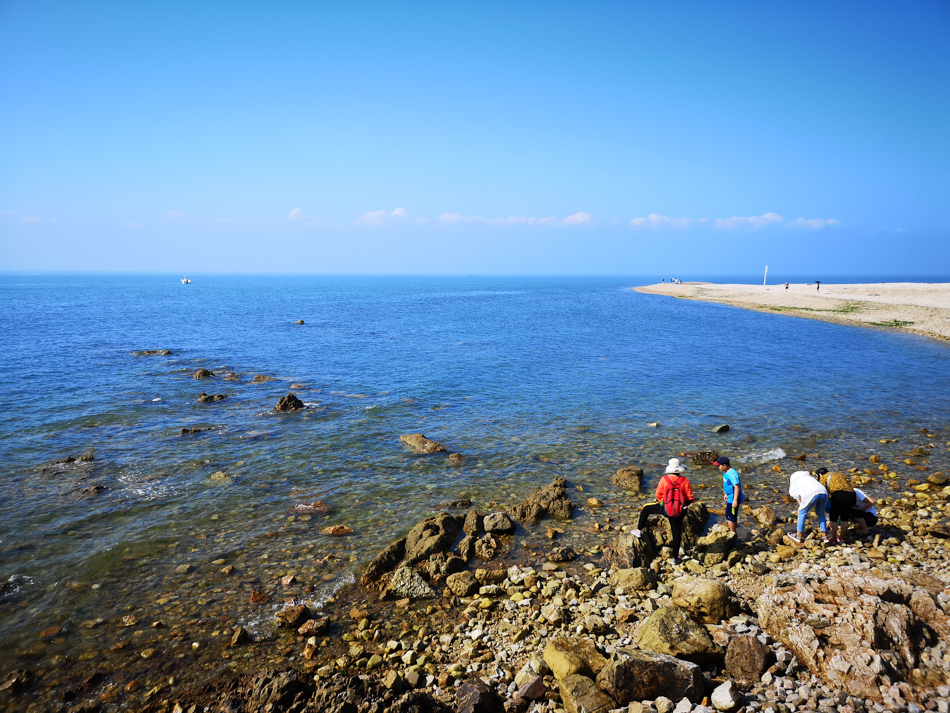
(810, 494)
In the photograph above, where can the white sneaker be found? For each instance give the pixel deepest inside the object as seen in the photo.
(794, 538)
(635, 533)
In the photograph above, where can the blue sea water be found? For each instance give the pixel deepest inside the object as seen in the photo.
(529, 378)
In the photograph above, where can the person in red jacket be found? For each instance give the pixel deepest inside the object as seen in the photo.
(672, 486)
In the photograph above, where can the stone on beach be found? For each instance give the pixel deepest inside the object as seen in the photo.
(708, 601)
(643, 675)
(670, 630)
(581, 695)
(746, 659)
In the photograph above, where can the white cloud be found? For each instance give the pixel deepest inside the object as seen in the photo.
(376, 217)
(756, 221)
(815, 223)
(655, 220)
(14, 216)
(576, 218)
(296, 214)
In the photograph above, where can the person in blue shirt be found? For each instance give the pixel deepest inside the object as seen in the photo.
(732, 490)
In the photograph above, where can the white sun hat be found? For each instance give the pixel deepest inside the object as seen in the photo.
(675, 466)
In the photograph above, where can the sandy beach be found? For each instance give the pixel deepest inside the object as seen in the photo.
(921, 308)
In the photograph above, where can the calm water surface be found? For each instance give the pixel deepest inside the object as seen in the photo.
(529, 378)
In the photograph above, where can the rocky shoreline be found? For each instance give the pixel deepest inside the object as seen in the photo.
(457, 617)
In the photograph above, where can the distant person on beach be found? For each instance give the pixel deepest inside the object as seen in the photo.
(818, 282)
(732, 490)
(810, 494)
(863, 515)
(673, 495)
(841, 500)
(786, 284)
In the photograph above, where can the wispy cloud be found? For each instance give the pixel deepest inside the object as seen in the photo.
(301, 217)
(815, 223)
(376, 217)
(15, 216)
(655, 220)
(575, 219)
(756, 221)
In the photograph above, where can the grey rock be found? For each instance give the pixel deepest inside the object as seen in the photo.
(498, 522)
(406, 583)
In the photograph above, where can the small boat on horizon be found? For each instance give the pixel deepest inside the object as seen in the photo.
(185, 281)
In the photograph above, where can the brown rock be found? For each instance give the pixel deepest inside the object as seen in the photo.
(704, 457)
(259, 598)
(629, 479)
(337, 530)
(456, 458)
(581, 695)
(317, 507)
(473, 523)
(462, 584)
(202, 374)
(288, 403)
(670, 630)
(550, 500)
(765, 516)
(384, 562)
(261, 378)
(292, 617)
(314, 627)
(708, 601)
(645, 675)
(420, 444)
(566, 657)
(746, 659)
(239, 637)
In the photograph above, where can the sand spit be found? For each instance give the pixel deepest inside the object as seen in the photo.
(921, 308)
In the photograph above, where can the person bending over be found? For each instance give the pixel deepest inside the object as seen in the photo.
(841, 500)
(810, 494)
(863, 515)
(673, 495)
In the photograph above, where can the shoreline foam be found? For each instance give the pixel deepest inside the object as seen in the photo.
(919, 308)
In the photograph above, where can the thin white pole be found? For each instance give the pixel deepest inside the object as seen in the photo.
(766, 275)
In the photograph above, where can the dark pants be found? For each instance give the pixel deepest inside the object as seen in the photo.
(840, 504)
(676, 523)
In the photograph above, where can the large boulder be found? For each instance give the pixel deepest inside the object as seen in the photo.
(746, 659)
(385, 561)
(670, 630)
(477, 697)
(715, 546)
(694, 524)
(289, 403)
(285, 691)
(406, 583)
(434, 534)
(708, 601)
(550, 500)
(462, 584)
(473, 523)
(855, 628)
(498, 522)
(629, 479)
(636, 579)
(580, 694)
(421, 444)
(566, 657)
(443, 564)
(646, 675)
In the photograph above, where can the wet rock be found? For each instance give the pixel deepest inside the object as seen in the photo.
(153, 352)
(704, 457)
(636, 579)
(188, 431)
(477, 697)
(551, 500)
(93, 490)
(316, 507)
(292, 617)
(462, 584)
(670, 630)
(337, 530)
(561, 554)
(581, 695)
(644, 675)
(16, 681)
(299, 321)
(567, 657)
(940, 479)
(463, 503)
(210, 398)
(629, 479)
(708, 601)
(722, 428)
(259, 597)
(725, 697)
(498, 522)
(202, 374)
(261, 378)
(854, 628)
(456, 459)
(466, 548)
(240, 636)
(408, 584)
(420, 444)
(288, 403)
(746, 659)
(129, 620)
(314, 627)
(385, 561)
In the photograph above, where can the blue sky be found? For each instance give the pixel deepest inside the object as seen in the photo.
(487, 138)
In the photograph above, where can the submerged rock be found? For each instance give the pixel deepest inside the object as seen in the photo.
(704, 457)
(209, 398)
(202, 374)
(420, 444)
(550, 500)
(629, 479)
(261, 378)
(722, 428)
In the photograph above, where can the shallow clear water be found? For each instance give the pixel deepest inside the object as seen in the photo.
(529, 378)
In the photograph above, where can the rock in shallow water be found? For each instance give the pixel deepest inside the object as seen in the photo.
(408, 584)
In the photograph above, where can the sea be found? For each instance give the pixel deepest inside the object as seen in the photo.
(528, 378)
